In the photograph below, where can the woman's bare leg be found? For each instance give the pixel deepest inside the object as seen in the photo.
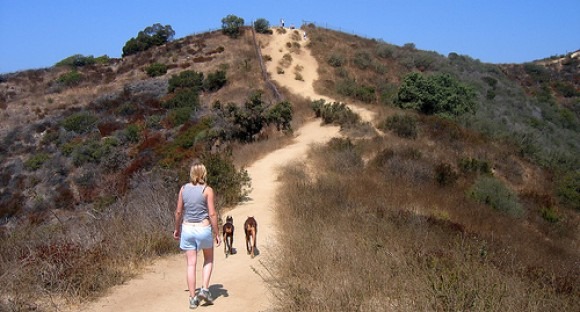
(191, 263)
(207, 267)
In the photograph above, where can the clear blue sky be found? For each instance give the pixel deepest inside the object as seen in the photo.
(39, 33)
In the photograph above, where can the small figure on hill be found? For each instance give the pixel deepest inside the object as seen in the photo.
(196, 228)
(282, 22)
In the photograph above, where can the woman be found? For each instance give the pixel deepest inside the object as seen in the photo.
(196, 227)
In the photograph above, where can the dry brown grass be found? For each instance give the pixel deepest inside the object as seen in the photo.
(381, 235)
(76, 257)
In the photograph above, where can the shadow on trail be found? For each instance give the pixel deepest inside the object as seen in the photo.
(218, 290)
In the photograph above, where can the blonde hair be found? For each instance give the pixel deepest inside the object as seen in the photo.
(197, 173)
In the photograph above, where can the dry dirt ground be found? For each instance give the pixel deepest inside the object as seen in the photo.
(237, 282)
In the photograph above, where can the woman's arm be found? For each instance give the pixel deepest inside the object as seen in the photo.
(178, 215)
(212, 214)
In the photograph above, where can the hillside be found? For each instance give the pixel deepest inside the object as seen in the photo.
(80, 154)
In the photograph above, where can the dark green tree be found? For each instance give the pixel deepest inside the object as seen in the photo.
(231, 25)
(154, 35)
(262, 26)
(440, 95)
(281, 116)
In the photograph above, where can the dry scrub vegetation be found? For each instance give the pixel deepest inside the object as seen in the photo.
(424, 216)
(78, 255)
(372, 230)
(90, 170)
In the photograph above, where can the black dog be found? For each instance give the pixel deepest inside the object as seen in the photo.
(228, 232)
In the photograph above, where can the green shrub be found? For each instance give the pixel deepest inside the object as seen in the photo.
(349, 87)
(335, 113)
(492, 192)
(362, 59)
(88, 151)
(387, 93)
(336, 60)
(440, 95)
(550, 214)
(153, 122)
(232, 184)
(385, 51)
(262, 26)
(423, 61)
(473, 165)
(537, 72)
(215, 80)
(81, 122)
(566, 89)
(156, 69)
(178, 116)
(70, 79)
(569, 189)
(132, 133)
(187, 79)
(404, 126)
(187, 98)
(103, 59)
(77, 60)
(67, 148)
(281, 116)
(36, 161)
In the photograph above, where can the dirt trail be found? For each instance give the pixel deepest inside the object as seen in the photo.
(236, 283)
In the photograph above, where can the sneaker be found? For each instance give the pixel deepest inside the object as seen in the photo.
(193, 302)
(205, 295)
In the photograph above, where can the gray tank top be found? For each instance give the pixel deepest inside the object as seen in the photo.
(194, 203)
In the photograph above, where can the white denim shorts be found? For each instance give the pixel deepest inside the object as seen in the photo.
(195, 237)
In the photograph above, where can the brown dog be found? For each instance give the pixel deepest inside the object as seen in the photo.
(228, 232)
(251, 229)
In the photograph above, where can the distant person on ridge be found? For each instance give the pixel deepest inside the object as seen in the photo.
(196, 228)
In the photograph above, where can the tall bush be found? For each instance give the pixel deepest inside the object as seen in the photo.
(187, 79)
(156, 69)
(492, 192)
(154, 35)
(262, 26)
(231, 26)
(404, 126)
(440, 95)
(81, 122)
(70, 79)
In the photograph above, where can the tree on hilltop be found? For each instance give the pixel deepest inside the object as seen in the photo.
(231, 25)
(154, 35)
(262, 26)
